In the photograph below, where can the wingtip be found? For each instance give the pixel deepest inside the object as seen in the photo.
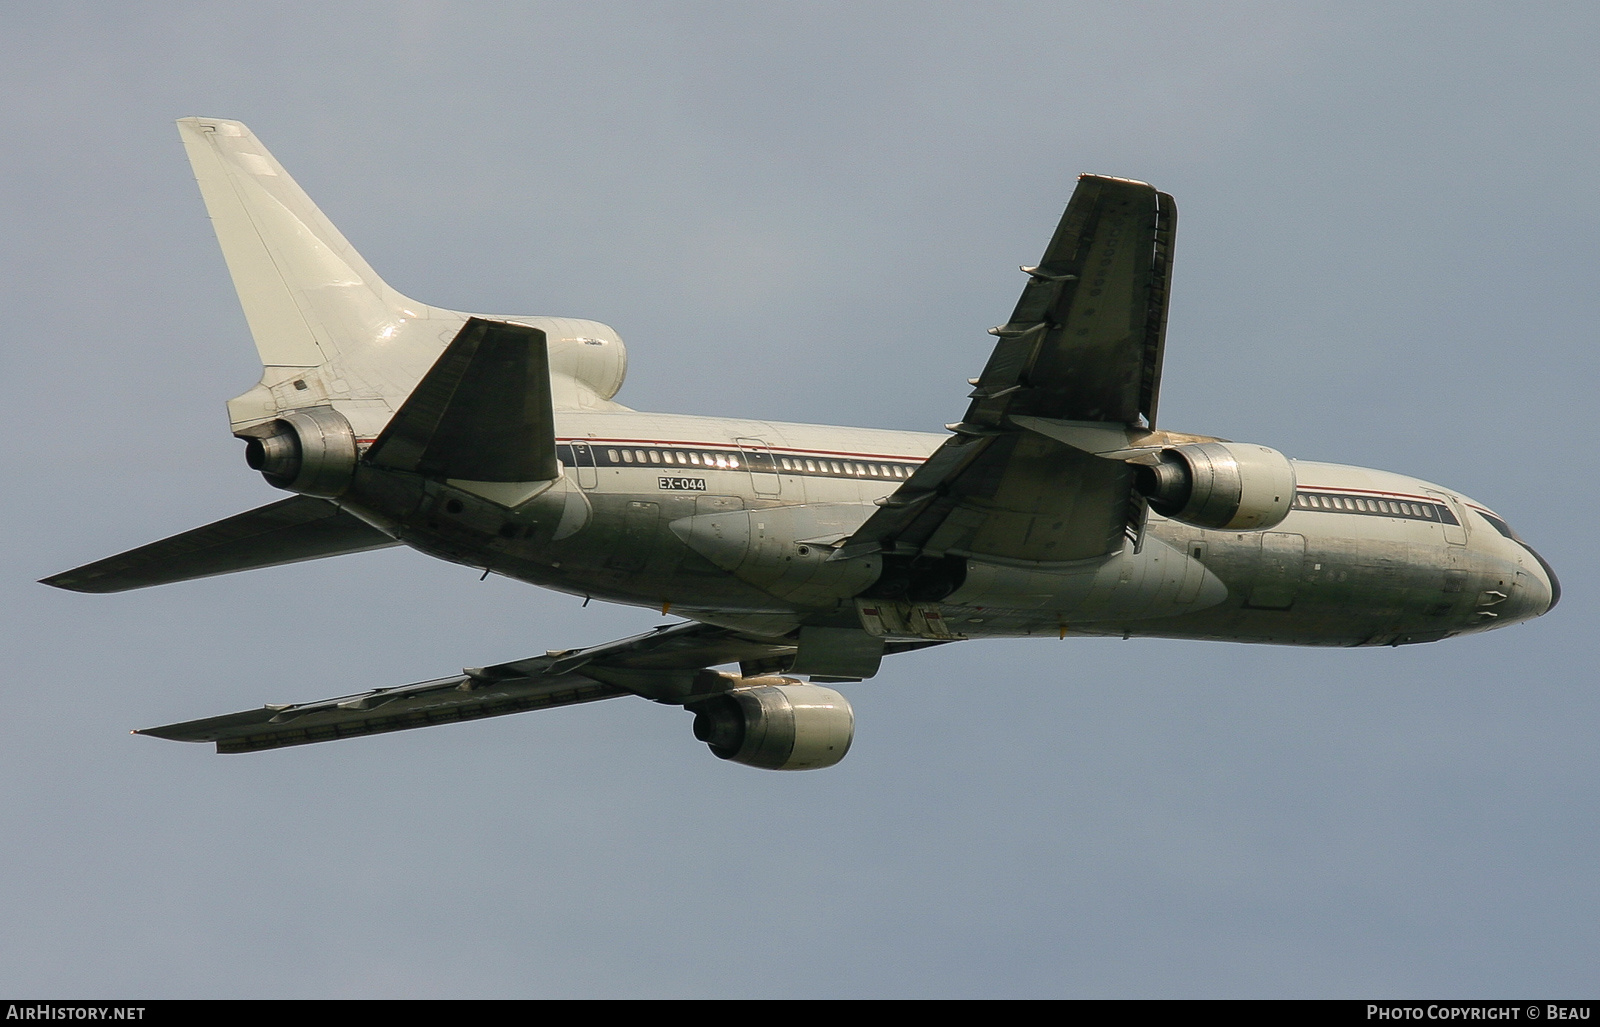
(162, 732)
(71, 581)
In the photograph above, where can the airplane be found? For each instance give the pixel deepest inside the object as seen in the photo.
(1054, 507)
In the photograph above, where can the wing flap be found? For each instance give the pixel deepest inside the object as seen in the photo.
(289, 531)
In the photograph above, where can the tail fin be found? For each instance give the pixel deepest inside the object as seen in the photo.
(305, 290)
(317, 310)
(330, 331)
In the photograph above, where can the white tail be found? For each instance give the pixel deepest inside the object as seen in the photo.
(328, 329)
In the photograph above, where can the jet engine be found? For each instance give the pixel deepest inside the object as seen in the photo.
(588, 361)
(311, 451)
(777, 727)
(1227, 485)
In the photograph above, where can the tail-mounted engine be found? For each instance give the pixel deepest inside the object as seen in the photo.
(311, 451)
(1227, 485)
(777, 727)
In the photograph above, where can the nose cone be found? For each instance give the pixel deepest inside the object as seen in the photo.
(1536, 591)
(1552, 586)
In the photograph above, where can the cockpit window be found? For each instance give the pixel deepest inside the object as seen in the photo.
(1498, 525)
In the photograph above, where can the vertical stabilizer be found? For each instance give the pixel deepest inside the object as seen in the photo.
(316, 309)
(330, 332)
(305, 290)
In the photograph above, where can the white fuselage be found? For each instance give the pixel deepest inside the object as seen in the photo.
(733, 522)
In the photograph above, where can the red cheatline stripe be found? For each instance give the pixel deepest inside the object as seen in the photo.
(728, 447)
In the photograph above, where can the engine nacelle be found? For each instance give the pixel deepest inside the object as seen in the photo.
(311, 451)
(1228, 485)
(777, 727)
(588, 361)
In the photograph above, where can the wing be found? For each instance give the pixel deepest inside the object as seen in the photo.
(667, 664)
(1084, 345)
(288, 531)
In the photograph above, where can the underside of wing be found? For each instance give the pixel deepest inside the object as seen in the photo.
(668, 664)
(444, 701)
(1084, 345)
(302, 528)
(1016, 496)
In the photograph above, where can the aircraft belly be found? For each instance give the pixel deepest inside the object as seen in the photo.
(630, 554)
(1396, 583)
(612, 546)
(1159, 580)
(786, 551)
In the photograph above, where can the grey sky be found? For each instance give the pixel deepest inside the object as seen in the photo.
(811, 212)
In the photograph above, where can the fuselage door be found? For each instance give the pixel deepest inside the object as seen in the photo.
(1277, 576)
(758, 460)
(1450, 514)
(583, 458)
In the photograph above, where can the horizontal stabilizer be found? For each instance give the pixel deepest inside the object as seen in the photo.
(482, 413)
(297, 529)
